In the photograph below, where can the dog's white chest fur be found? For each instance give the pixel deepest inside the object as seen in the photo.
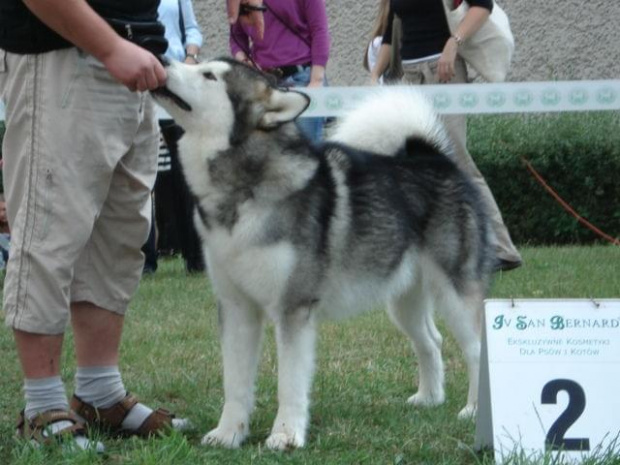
(258, 271)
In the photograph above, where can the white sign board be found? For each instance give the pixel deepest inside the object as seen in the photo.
(550, 378)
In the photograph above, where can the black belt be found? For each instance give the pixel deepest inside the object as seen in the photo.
(282, 72)
(146, 34)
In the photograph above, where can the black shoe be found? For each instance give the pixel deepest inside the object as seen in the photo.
(506, 265)
(148, 270)
(195, 266)
(166, 253)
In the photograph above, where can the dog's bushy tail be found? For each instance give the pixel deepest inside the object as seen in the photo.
(387, 118)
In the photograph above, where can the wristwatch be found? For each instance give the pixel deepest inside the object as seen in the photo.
(193, 56)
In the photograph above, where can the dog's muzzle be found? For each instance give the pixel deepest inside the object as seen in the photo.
(165, 93)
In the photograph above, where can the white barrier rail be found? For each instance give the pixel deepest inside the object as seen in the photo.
(508, 97)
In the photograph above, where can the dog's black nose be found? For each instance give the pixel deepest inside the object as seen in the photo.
(163, 60)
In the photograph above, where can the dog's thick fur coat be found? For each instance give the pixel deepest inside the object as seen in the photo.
(293, 233)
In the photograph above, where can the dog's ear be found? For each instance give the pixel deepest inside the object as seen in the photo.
(283, 106)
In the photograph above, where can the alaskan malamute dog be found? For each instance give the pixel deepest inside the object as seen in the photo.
(292, 233)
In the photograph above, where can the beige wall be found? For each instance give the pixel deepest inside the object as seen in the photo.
(555, 39)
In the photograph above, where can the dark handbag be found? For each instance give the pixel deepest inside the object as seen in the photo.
(147, 34)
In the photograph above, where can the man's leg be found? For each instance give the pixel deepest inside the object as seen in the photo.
(39, 354)
(36, 303)
(97, 334)
(99, 386)
(47, 410)
(106, 276)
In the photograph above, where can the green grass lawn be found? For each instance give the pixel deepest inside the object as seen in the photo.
(365, 372)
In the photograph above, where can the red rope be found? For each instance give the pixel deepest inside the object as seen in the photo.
(566, 206)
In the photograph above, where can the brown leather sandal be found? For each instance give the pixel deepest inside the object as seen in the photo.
(111, 419)
(37, 429)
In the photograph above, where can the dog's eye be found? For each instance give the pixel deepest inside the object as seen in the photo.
(210, 76)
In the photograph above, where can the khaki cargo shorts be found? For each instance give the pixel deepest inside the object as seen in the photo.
(80, 159)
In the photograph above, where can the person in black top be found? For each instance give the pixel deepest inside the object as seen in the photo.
(79, 164)
(429, 53)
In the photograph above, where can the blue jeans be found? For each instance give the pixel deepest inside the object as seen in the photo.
(312, 128)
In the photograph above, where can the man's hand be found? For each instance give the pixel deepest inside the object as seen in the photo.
(254, 18)
(134, 67)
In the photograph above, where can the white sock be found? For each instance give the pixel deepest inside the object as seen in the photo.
(103, 387)
(45, 394)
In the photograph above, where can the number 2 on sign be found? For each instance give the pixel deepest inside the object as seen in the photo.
(555, 439)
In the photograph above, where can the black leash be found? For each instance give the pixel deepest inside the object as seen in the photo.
(247, 9)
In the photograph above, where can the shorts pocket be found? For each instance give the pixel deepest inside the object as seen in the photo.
(47, 203)
(69, 89)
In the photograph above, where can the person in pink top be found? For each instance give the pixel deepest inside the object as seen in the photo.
(294, 48)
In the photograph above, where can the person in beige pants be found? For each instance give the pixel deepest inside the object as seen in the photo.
(429, 55)
(79, 164)
(456, 125)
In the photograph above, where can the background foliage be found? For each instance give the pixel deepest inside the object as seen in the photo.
(578, 154)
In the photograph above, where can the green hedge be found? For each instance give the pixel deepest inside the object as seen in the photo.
(577, 154)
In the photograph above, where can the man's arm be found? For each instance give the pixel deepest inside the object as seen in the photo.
(77, 22)
(474, 19)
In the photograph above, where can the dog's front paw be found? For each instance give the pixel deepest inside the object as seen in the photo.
(285, 440)
(224, 437)
(420, 399)
(468, 412)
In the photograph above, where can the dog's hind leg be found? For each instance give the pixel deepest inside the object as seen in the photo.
(295, 334)
(412, 313)
(463, 315)
(241, 329)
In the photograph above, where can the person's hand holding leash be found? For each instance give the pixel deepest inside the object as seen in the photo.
(135, 67)
(250, 11)
(243, 58)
